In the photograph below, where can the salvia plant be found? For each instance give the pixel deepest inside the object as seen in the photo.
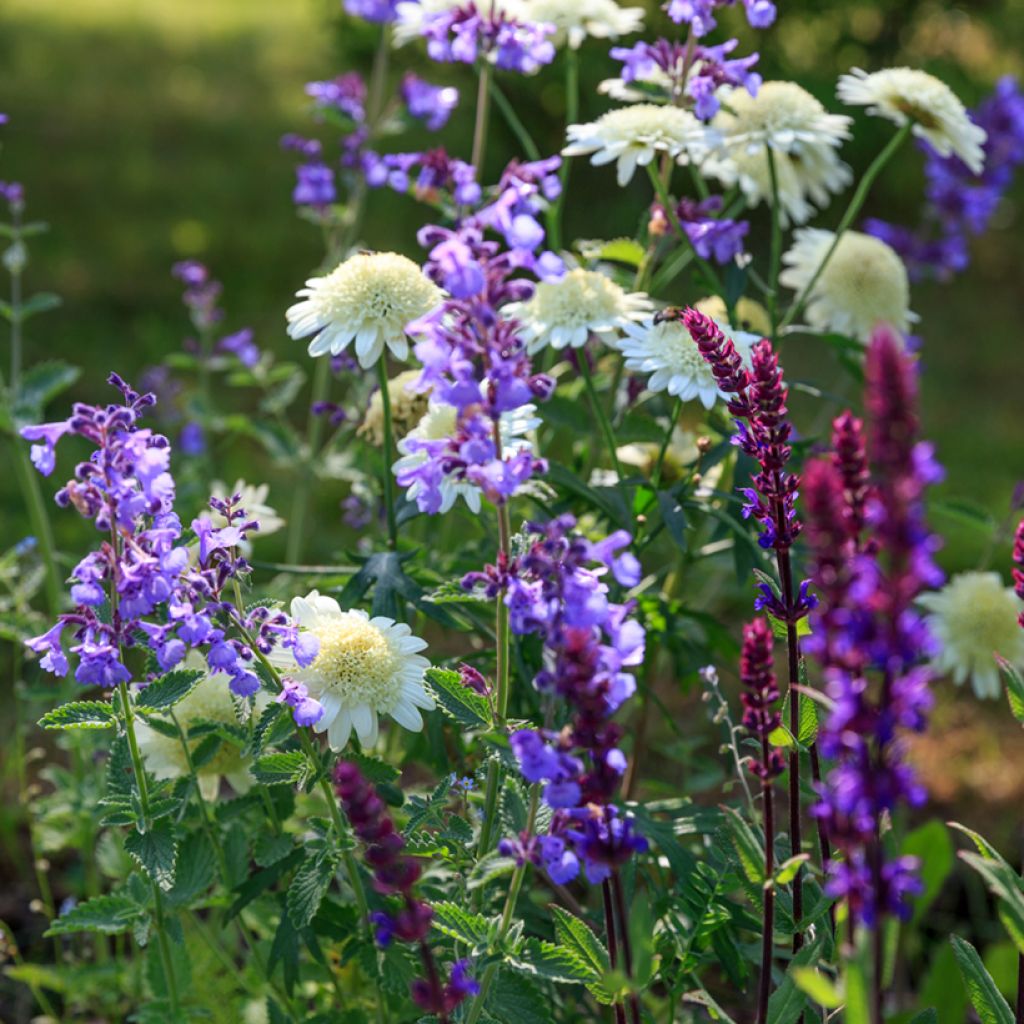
(453, 773)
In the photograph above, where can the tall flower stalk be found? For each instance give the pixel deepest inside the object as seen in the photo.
(759, 403)
(870, 638)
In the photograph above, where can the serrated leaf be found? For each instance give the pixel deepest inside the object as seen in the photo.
(80, 714)
(111, 914)
(516, 999)
(459, 702)
(551, 962)
(168, 690)
(285, 767)
(458, 923)
(373, 768)
(986, 999)
(195, 870)
(577, 936)
(155, 851)
(308, 888)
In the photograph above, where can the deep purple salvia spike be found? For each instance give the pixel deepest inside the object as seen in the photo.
(851, 461)
(395, 874)
(872, 642)
(1018, 571)
(759, 403)
(761, 718)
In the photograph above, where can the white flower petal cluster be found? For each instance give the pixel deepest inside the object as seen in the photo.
(631, 136)
(574, 20)
(369, 299)
(366, 667)
(440, 422)
(803, 137)
(566, 311)
(908, 95)
(667, 352)
(210, 701)
(864, 283)
(974, 616)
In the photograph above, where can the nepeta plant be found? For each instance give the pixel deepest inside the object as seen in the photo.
(447, 769)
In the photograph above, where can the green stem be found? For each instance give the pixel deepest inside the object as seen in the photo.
(128, 720)
(387, 452)
(304, 485)
(572, 108)
(661, 190)
(483, 107)
(776, 250)
(677, 407)
(848, 218)
(503, 677)
(599, 413)
(40, 526)
(515, 885)
(514, 121)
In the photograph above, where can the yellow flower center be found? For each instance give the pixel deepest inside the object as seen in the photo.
(580, 298)
(356, 662)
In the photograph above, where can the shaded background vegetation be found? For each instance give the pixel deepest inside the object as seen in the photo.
(146, 131)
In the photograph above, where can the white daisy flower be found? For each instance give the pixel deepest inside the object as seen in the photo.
(440, 422)
(864, 283)
(803, 136)
(748, 313)
(632, 135)
(368, 299)
(254, 501)
(365, 668)
(580, 303)
(668, 353)
(407, 407)
(210, 701)
(574, 20)
(907, 95)
(973, 617)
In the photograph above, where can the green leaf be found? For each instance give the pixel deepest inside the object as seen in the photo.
(168, 690)
(285, 767)
(1014, 688)
(257, 884)
(516, 999)
(929, 1016)
(373, 768)
(577, 936)
(788, 1001)
(1005, 884)
(933, 847)
(747, 847)
(463, 705)
(195, 870)
(308, 888)
(551, 962)
(155, 852)
(458, 923)
(985, 848)
(80, 714)
(40, 384)
(819, 987)
(41, 302)
(986, 999)
(111, 914)
(617, 250)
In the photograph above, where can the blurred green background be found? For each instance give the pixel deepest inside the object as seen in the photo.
(147, 131)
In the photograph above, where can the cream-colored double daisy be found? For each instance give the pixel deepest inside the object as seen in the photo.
(974, 617)
(863, 284)
(366, 667)
(907, 95)
(575, 20)
(211, 700)
(632, 136)
(369, 300)
(804, 139)
(566, 312)
(440, 422)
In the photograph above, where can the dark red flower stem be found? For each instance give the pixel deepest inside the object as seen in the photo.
(627, 952)
(793, 648)
(613, 947)
(432, 977)
(1020, 989)
(768, 928)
